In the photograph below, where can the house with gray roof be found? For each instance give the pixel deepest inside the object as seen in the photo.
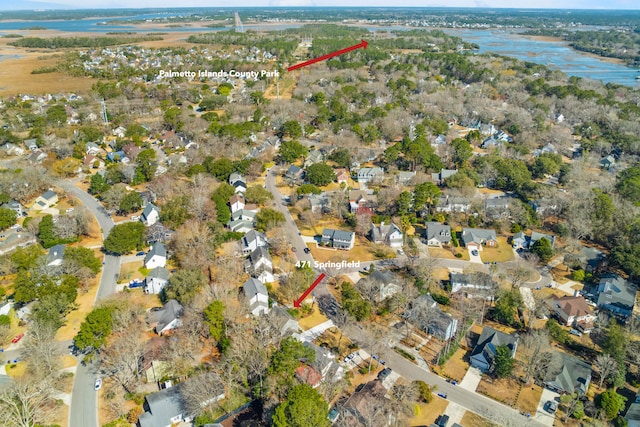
(46, 200)
(571, 376)
(325, 362)
(55, 256)
(164, 408)
(437, 234)
(156, 280)
(476, 238)
(484, 352)
(251, 241)
(522, 241)
(472, 285)
(294, 173)
(31, 144)
(156, 257)
(240, 225)
(168, 318)
(338, 239)
(282, 321)
(379, 285)
(491, 142)
(319, 203)
(497, 208)
(452, 204)
(404, 177)
(439, 177)
(313, 157)
(256, 295)
(238, 182)
(535, 236)
(150, 215)
(386, 234)
(366, 175)
(427, 315)
(608, 162)
(616, 295)
(633, 413)
(260, 265)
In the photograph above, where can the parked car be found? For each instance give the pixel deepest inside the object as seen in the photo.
(141, 253)
(474, 252)
(551, 407)
(17, 338)
(575, 332)
(307, 250)
(98, 384)
(442, 420)
(442, 395)
(384, 373)
(136, 284)
(135, 217)
(69, 210)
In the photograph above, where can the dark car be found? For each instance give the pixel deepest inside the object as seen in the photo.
(442, 420)
(384, 373)
(141, 253)
(307, 250)
(136, 284)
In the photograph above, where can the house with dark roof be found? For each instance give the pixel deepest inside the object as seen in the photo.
(357, 410)
(294, 173)
(437, 234)
(380, 284)
(156, 280)
(156, 257)
(338, 239)
(440, 177)
(260, 265)
(633, 413)
(608, 162)
(256, 295)
(55, 256)
(46, 200)
(491, 142)
(319, 203)
(386, 234)
(476, 238)
(31, 144)
(251, 241)
(497, 208)
(616, 295)
(452, 204)
(150, 215)
(168, 317)
(484, 352)
(572, 375)
(427, 315)
(163, 408)
(282, 321)
(575, 312)
(324, 362)
(472, 285)
(522, 241)
(117, 156)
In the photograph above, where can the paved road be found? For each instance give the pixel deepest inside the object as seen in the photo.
(83, 411)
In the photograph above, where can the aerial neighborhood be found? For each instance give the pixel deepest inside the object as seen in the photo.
(404, 238)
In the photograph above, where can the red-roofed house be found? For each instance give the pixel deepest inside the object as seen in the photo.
(342, 175)
(308, 375)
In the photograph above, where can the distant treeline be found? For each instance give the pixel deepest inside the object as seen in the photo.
(70, 42)
(280, 46)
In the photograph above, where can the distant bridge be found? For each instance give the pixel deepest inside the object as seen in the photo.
(239, 26)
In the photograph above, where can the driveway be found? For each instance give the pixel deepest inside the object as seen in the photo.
(475, 258)
(471, 379)
(455, 412)
(527, 298)
(541, 415)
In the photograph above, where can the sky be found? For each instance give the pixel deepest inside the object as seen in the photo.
(524, 4)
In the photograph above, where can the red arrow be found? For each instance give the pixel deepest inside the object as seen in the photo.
(363, 44)
(297, 302)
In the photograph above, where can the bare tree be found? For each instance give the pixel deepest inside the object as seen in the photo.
(26, 402)
(200, 393)
(535, 352)
(41, 351)
(606, 366)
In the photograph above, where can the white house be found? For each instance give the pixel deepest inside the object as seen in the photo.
(252, 241)
(46, 200)
(150, 215)
(156, 280)
(260, 265)
(257, 296)
(388, 234)
(236, 203)
(156, 257)
(55, 256)
(366, 175)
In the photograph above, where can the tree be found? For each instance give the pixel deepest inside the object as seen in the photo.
(26, 402)
(47, 233)
(507, 305)
(542, 248)
(176, 211)
(83, 257)
(215, 319)
(546, 164)
(131, 203)
(425, 195)
(290, 128)
(308, 189)
(199, 391)
(503, 362)
(290, 151)
(628, 183)
(184, 285)
(57, 115)
(221, 168)
(320, 174)
(146, 166)
(425, 391)
(611, 402)
(98, 184)
(287, 358)
(462, 151)
(7, 218)
(95, 330)
(67, 167)
(534, 349)
(304, 407)
(606, 366)
(353, 302)
(124, 238)
(342, 157)
(268, 218)
(257, 194)
(615, 341)
(404, 203)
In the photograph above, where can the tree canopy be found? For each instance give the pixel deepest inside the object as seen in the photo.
(320, 174)
(304, 407)
(124, 238)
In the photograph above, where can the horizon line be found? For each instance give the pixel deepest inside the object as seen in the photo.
(60, 8)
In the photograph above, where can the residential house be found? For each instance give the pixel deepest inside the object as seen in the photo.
(5, 308)
(590, 258)
(608, 162)
(158, 233)
(379, 285)
(36, 157)
(294, 173)
(491, 142)
(150, 215)
(238, 182)
(633, 413)
(373, 175)
(156, 257)
(324, 362)
(46, 200)
(306, 374)
(31, 144)
(535, 236)
(501, 135)
(164, 408)
(544, 206)
(522, 241)
(387, 234)
(260, 265)
(120, 132)
(497, 208)
(240, 225)
(483, 354)
(452, 204)
(616, 295)
(487, 129)
(426, 315)
(342, 175)
(256, 295)
(314, 156)
(55, 256)
(405, 177)
(282, 321)
(319, 203)
(168, 317)
(472, 285)
(236, 202)
(549, 148)
(251, 241)
(93, 149)
(440, 140)
(362, 203)
(575, 312)
(368, 399)
(437, 234)
(244, 215)
(440, 177)
(14, 206)
(475, 238)
(338, 239)
(156, 280)
(117, 156)
(571, 376)
(13, 150)
(93, 162)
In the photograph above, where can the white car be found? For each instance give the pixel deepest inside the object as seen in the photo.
(69, 210)
(135, 217)
(98, 384)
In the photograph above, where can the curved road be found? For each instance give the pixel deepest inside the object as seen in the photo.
(83, 411)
